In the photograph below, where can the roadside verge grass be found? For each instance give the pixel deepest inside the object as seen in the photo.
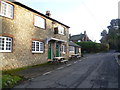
(9, 81)
(11, 77)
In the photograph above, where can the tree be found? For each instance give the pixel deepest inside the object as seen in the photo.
(113, 36)
(104, 36)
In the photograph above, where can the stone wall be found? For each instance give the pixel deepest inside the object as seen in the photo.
(22, 30)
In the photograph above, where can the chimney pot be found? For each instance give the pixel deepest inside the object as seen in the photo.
(85, 32)
(48, 13)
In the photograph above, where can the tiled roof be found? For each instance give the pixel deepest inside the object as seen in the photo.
(77, 37)
(73, 44)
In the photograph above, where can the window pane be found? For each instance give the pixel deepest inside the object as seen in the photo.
(2, 43)
(39, 22)
(10, 11)
(42, 23)
(2, 46)
(3, 40)
(64, 48)
(37, 46)
(8, 39)
(0, 40)
(71, 48)
(8, 45)
(41, 47)
(61, 29)
(6, 9)
(5, 44)
(33, 46)
(3, 8)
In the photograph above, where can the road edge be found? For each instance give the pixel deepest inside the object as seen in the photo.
(116, 57)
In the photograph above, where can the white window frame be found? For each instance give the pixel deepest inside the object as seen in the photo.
(63, 49)
(7, 44)
(79, 50)
(39, 49)
(61, 30)
(6, 9)
(71, 48)
(39, 22)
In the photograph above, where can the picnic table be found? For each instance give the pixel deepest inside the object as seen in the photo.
(60, 59)
(75, 56)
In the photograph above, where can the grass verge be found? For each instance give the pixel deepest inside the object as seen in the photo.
(11, 77)
(9, 81)
(15, 71)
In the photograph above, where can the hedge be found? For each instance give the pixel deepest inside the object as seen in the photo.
(92, 47)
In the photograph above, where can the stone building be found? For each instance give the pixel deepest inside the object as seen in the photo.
(80, 37)
(28, 37)
(74, 49)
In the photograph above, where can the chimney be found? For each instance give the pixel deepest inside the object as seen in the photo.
(85, 32)
(48, 13)
(69, 35)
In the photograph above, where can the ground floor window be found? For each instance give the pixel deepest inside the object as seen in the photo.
(37, 47)
(5, 44)
(71, 48)
(63, 48)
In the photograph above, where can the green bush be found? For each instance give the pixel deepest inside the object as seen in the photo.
(9, 81)
(92, 47)
(104, 47)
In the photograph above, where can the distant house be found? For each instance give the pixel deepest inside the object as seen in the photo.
(74, 49)
(79, 37)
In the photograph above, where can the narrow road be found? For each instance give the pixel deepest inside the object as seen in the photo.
(93, 71)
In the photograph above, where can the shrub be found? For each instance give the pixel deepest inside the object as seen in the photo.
(104, 47)
(9, 81)
(92, 47)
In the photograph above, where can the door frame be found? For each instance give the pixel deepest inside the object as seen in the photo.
(58, 51)
(51, 51)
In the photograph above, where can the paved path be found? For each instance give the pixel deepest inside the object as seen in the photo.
(93, 71)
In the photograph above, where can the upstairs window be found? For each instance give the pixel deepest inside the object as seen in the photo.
(5, 44)
(39, 22)
(6, 9)
(59, 30)
(37, 47)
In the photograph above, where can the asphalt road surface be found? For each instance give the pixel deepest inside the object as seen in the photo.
(92, 71)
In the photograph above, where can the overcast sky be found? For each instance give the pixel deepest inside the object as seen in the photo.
(91, 16)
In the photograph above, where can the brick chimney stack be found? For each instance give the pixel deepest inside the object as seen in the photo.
(48, 13)
(85, 32)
